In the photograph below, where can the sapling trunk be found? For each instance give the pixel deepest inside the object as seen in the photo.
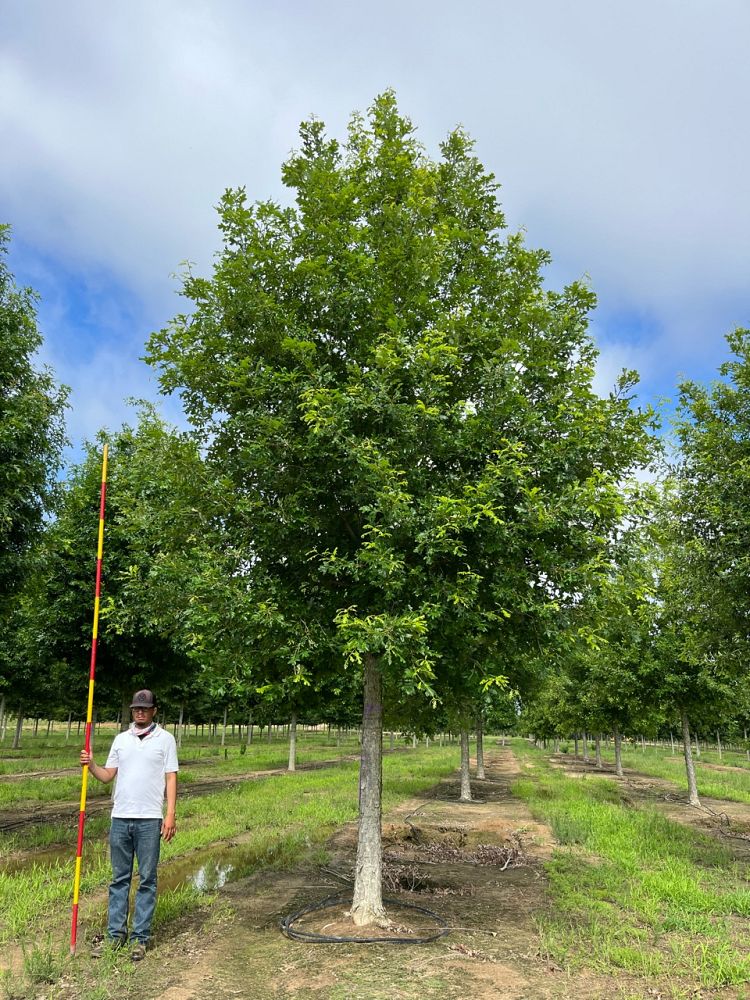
(618, 752)
(671, 740)
(393, 740)
(556, 745)
(125, 698)
(465, 795)
(180, 721)
(249, 728)
(575, 744)
(293, 743)
(480, 749)
(718, 743)
(599, 750)
(367, 903)
(224, 727)
(19, 726)
(689, 765)
(585, 748)
(70, 722)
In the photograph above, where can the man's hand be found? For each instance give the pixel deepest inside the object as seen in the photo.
(168, 827)
(85, 758)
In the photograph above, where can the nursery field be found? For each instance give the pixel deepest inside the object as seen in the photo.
(557, 881)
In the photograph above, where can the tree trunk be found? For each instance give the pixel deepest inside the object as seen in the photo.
(465, 795)
(224, 727)
(585, 748)
(70, 722)
(19, 726)
(671, 740)
(599, 751)
(556, 745)
(292, 766)
(393, 740)
(249, 728)
(575, 744)
(480, 748)
(697, 748)
(689, 765)
(367, 903)
(718, 743)
(269, 732)
(414, 742)
(180, 725)
(618, 752)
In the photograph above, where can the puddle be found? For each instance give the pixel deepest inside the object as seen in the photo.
(210, 869)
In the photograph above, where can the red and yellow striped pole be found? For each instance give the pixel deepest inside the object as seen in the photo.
(90, 708)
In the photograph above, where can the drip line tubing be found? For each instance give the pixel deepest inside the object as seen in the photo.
(287, 924)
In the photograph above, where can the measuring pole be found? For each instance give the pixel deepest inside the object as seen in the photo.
(90, 708)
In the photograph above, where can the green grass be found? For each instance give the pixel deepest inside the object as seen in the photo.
(659, 763)
(633, 890)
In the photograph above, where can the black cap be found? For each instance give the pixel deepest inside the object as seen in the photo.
(143, 699)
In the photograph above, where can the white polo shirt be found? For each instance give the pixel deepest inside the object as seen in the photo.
(141, 768)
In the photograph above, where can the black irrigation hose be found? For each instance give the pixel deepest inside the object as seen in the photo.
(296, 935)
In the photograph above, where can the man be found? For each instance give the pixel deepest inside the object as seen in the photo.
(144, 760)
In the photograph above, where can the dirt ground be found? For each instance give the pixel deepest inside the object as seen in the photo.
(477, 866)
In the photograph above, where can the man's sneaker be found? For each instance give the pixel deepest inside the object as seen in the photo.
(138, 951)
(101, 944)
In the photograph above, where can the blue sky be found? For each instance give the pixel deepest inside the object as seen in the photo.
(618, 132)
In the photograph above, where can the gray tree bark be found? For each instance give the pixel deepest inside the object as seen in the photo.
(618, 752)
(19, 726)
(599, 751)
(585, 747)
(293, 743)
(125, 699)
(465, 795)
(224, 727)
(367, 903)
(689, 765)
(480, 749)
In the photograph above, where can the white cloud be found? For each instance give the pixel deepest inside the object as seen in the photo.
(617, 131)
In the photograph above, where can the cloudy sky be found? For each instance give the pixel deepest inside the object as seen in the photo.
(618, 131)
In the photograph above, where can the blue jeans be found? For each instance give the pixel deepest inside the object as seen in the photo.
(129, 840)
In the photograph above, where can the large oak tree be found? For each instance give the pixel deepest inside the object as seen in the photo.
(421, 467)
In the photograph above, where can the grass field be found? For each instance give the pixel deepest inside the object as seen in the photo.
(631, 892)
(634, 890)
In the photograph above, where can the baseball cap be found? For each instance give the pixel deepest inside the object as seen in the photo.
(143, 699)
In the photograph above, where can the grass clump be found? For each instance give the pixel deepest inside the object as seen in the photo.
(633, 890)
